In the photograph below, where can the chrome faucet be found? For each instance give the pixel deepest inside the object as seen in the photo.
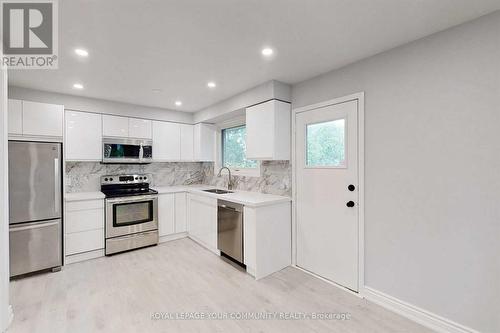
(230, 181)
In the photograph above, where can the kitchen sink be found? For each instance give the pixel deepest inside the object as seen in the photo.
(217, 191)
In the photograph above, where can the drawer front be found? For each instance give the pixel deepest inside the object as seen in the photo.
(35, 246)
(83, 205)
(85, 241)
(203, 199)
(84, 220)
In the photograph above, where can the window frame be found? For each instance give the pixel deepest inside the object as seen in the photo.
(248, 172)
(346, 164)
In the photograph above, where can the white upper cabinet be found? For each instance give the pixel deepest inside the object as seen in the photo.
(186, 142)
(15, 116)
(83, 136)
(204, 142)
(139, 128)
(41, 119)
(125, 127)
(115, 126)
(268, 131)
(166, 141)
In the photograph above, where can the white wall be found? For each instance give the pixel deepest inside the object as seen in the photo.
(432, 169)
(4, 206)
(235, 105)
(100, 106)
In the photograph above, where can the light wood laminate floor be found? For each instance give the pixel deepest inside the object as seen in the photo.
(120, 294)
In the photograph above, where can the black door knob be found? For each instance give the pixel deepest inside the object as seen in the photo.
(351, 187)
(350, 204)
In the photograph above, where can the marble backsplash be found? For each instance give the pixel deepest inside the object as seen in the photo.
(85, 176)
(276, 176)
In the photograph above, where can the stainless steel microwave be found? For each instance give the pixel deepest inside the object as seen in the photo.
(123, 150)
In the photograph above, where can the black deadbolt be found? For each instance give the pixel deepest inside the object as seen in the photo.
(351, 187)
(350, 204)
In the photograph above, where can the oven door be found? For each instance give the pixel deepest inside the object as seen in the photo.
(130, 215)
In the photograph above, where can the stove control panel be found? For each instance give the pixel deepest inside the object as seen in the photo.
(125, 179)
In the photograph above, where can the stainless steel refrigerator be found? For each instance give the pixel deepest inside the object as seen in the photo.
(35, 219)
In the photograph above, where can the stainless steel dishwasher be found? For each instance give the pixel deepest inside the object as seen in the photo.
(230, 229)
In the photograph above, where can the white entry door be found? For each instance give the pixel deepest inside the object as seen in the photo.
(327, 192)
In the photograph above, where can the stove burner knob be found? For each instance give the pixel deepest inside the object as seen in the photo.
(140, 178)
(136, 178)
(110, 179)
(145, 178)
(105, 179)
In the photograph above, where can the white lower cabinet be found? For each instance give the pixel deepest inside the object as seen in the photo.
(267, 246)
(172, 215)
(202, 220)
(84, 241)
(180, 212)
(83, 229)
(166, 214)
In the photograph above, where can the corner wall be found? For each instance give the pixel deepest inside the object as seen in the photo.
(432, 169)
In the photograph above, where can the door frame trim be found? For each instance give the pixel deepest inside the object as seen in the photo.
(360, 97)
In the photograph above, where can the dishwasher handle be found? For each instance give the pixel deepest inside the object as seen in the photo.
(230, 206)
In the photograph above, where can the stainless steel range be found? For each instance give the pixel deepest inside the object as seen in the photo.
(131, 212)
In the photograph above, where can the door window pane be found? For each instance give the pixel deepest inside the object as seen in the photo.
(234, 148)
(325, 144)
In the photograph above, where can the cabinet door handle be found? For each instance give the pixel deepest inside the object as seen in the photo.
(350, 204)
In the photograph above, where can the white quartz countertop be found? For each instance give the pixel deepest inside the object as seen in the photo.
(252, 199)
(171, 189)
(80, 196)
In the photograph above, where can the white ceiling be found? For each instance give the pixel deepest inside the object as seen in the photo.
(178, 46)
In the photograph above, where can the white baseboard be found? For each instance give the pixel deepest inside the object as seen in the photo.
(83, 256)
(169, 238)
(421, 316)
(352, 292)
(206, 246)
(11, 317)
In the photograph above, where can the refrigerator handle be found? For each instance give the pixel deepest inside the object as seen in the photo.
(57, 189)
(32, 226)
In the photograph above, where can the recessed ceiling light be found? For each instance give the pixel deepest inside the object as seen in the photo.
(156, 90)
(82, 52)
(178, 103)
(211, 84)
(267, 52)
(78, 86)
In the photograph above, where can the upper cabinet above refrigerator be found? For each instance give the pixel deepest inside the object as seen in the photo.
(35, 120)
